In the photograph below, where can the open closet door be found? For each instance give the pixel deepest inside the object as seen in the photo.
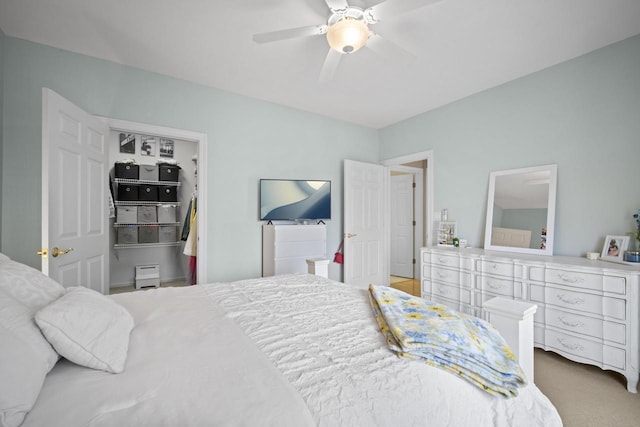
(365, 228)
(75, 209)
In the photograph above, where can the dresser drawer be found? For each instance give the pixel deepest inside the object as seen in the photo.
(467, 264)
(572, 278)
(310, 249)
(596, 282)
(584, 348)
(496, 286)
(497, 268)
(445, 260)
(590, 303)
(455, 277)
(292, 233)
(426, 271)
(453, 293)
(426, 289)
(610, 331)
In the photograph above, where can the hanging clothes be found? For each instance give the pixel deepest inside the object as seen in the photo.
(187, 223)
(191, 244)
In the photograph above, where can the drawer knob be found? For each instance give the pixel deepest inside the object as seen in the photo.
(566, 322)
(442, 290)
(569, 278)
(494, 286)
(567, 300)
(574, 346)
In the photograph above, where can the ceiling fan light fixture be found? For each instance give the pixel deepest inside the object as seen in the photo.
(348, 35)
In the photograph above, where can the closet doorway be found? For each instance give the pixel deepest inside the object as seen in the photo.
(188, 150)
(409, 199)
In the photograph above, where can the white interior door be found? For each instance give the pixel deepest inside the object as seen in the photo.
(401, 223)
(365, 228)
(75, 208)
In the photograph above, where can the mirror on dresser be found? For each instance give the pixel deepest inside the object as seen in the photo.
(521, 210)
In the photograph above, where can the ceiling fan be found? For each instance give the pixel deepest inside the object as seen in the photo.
(347, 30)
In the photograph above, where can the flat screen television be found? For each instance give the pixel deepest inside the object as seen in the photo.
(294, 199)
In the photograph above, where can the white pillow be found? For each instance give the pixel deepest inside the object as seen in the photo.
(25, 355)
(88, 329)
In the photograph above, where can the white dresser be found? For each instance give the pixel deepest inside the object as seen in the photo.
(286, 248)
(587, 310)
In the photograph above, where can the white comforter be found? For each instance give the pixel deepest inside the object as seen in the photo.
(286, 351)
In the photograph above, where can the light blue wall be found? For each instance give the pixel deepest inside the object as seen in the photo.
(248, 140)
(583, 115)
(2, 38)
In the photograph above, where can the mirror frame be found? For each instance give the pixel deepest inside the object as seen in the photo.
(551, 210)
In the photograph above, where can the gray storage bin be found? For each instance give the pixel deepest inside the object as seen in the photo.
(167, 234)
(148, 234)
(127, 214)
(147, 214)
(167, 213)
(127, 235)
(149, 172)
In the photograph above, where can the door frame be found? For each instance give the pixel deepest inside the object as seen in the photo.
(185, 135)
(418, 211)
(428, 235)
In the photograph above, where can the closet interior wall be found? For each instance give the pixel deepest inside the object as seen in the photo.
(174, 265)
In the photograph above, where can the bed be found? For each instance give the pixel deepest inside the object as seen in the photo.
(295, 350)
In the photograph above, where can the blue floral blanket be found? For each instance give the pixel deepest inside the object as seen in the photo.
(461, 344)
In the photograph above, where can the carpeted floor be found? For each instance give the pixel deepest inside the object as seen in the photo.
(585, 395)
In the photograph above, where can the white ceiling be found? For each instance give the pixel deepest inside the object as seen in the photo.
(459, 47)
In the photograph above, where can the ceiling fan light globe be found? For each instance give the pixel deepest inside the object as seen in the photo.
(348, 35)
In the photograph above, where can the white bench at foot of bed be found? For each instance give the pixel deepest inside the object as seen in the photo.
(514, 320)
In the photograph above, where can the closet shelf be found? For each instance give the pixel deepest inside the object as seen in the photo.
(142, 181)
(142, 203)
(145, 224)
(146, 245)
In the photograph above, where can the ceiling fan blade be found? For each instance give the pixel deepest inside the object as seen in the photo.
(389, 8)
(272, 36)
(337, 4)
(330, 65)
(387, 49)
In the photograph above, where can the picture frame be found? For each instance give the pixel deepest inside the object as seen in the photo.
(166, 147)
(127, 143)
(614, 248)
(148, 146)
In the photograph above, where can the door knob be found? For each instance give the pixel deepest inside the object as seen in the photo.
(43, 252)
(55, 251)
(349, 235)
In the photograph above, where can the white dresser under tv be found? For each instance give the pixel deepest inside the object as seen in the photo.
(286, 247)
(587, 310)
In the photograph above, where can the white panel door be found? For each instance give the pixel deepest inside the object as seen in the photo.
(74, 195)
(365, 228)
(401, 222)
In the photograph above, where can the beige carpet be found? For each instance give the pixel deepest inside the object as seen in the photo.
(585, 395)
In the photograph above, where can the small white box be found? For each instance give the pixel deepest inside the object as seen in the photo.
(127, 214)
(167, 213)
(147, 275)
(318, 266)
